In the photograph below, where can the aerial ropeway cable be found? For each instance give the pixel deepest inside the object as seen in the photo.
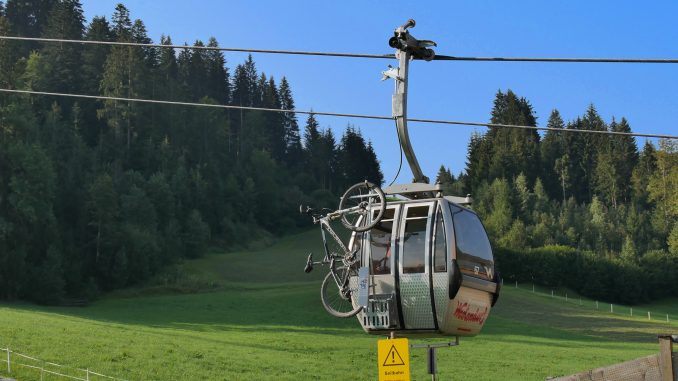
(335, 114)
(354, 55)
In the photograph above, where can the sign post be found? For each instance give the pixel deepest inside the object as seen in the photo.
(393, 359)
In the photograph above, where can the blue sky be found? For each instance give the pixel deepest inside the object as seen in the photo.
(644, 94)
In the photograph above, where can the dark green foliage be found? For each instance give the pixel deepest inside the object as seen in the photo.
(591, 192)
(611, 280)
(98, 195)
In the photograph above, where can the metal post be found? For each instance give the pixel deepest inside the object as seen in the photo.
(9, 368)
(611, 309)
(649, 317)
(432, 366)
(87, 374)
(407, 48)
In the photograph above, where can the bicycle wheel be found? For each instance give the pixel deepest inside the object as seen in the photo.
(337, 301)
(360, 200)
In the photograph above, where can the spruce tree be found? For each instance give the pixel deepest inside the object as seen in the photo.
(513, 150)
(552, 149)
(125, 76)
(626, 154)
(293, 155)
(218, 86)
(647, 164)
(28, 19)
(64, 61)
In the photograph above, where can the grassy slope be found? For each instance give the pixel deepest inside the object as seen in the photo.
(267, 323)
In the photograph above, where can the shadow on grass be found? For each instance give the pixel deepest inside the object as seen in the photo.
(292, 308)
(296, 308)
(573, 319)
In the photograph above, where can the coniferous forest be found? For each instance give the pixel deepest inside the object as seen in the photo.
(589, 212)
(99, 195)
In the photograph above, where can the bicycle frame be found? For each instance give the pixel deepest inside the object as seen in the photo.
(347, 257)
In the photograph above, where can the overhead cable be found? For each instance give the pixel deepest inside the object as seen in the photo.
(350, 55)
(322, 113)
(556, 59)
(246, 50)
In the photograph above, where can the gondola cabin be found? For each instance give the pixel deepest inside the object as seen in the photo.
(431, 269)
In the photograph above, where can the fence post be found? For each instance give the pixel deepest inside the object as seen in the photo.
(667, 318)
(649, 316)
(516, 284)
(611, 308)
(552, 293)
(532, 291)
(9, 368)
(565, 299)
(631, 313)
(42, 371)
(596, 304)
(87, 373)
(665, 354)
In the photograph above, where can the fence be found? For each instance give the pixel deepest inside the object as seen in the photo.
(612, 308)
(659, 367)
(47, 368)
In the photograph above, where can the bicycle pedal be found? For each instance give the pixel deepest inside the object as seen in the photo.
(309, 264)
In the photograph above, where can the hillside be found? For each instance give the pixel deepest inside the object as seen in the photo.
(265, 321)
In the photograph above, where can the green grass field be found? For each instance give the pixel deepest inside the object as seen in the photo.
(264, 321)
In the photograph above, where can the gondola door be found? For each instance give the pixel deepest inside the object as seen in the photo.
(414, 266)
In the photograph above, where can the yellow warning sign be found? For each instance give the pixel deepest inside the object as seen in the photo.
(393, 358)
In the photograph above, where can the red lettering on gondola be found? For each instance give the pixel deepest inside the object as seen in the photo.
(465, 312)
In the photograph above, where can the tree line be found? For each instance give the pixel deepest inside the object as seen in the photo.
(98, 195)
(594, 193)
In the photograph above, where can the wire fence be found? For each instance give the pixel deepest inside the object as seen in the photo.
(639, 313)
(47, 369)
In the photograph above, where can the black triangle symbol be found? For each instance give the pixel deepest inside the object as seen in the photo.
(393, 357)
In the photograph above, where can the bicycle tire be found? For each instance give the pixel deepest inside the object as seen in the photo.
(355, 197)
(331, 296)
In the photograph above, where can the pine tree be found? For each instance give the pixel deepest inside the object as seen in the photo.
(477, 161)
(331, 177)
(28, 18)
(125, 76)
(218, 86)
(197, 72)
(64, 61)
(626, 154)
(8, 57)
(293, 155)
(513, 150)
(551, 150)
(647, 164)
(593, 144)
(275, 128)
(444, 177)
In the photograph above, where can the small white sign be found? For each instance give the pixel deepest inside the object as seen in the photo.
(363, 286)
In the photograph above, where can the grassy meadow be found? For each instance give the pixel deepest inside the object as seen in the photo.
(262, 320)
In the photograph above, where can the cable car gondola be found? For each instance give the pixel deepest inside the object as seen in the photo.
(431, 268)
(420, 263)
